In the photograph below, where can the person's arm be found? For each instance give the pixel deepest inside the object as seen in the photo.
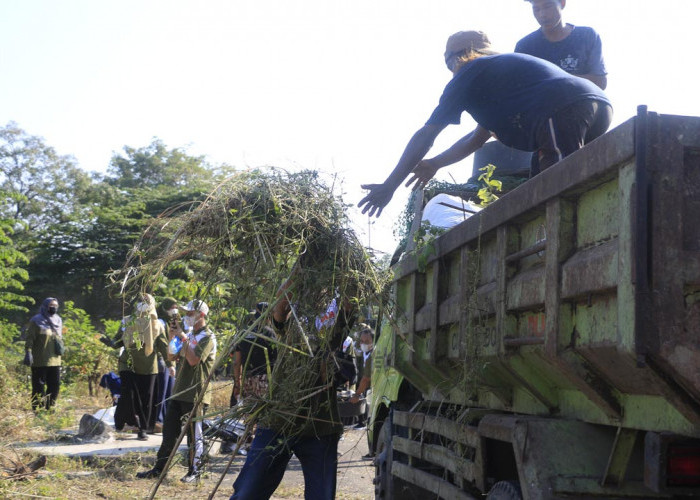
(282, 308)
(361, 388)
(426, 169)
(188, 351)
(32, 331)
(380, 194)
(161, 345)
(596, 64)
(600, 80)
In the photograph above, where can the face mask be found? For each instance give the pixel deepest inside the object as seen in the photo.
(52, 310)
(365, 348)
(189, 322)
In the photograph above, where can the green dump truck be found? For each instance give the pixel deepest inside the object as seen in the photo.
(550, 347)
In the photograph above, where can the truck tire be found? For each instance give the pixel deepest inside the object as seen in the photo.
(382, 488)
(505, 490)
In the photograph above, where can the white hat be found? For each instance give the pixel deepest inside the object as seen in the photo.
(197, 305)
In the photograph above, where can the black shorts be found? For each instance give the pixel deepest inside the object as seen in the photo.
(568, 130)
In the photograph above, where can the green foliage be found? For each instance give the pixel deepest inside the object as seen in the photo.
(86, 358)
(486, 193)
(12, 273)
(425, 242)
(156, 166)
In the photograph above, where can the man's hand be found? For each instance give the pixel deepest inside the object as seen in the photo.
(171, 369)
(378, 197)
(107, 341)
(422, 173)
(28, 359)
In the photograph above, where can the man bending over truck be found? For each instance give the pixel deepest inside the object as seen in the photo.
(526, 102)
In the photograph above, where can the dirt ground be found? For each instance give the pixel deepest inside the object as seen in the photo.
(107, 470)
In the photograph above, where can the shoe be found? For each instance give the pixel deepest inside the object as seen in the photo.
(226, 447)
(360, 427)
(149, 474)
(192, 476)
(158, 428)
(142, 436)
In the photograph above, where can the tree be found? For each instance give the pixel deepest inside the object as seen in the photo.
(47, 185)
(12, 274)
(155, 166)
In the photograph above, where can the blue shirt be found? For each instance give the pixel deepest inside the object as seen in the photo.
(511, 95)
(579, 53)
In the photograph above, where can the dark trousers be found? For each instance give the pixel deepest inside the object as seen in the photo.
(134, 405)
(144, 387)
(568, 130)
(164, 389)
(124, 413)
(46, 383)
(268, 458)
(175, 418)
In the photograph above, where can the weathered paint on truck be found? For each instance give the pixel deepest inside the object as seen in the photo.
(564, 320)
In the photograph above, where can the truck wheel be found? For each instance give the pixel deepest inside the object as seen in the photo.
(505, 490)
(381, 475)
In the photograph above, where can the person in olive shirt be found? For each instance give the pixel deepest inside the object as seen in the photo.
(195, 362)
(43, 332)
(143, 337)
(311, 427)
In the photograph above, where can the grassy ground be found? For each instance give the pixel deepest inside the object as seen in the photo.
(77, 478)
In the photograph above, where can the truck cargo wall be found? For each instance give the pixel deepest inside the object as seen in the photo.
(577, 294)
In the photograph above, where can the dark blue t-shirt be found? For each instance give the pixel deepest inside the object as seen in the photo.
(579, 53)
(511, 95)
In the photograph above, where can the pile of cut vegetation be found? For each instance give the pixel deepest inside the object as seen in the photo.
(256, 230)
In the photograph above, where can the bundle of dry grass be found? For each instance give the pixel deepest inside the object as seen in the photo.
(252, 233)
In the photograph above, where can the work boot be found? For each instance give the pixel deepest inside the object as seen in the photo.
(149, 474)
(142, 436)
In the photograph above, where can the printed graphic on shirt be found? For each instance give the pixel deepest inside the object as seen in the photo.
(569, 64)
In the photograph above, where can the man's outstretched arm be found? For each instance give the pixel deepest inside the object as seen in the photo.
(426, 169)
(380, 194)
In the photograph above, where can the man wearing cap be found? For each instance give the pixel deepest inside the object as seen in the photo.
(525, 102)
(195, 363)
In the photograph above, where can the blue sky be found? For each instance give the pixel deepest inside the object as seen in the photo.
(338, 86)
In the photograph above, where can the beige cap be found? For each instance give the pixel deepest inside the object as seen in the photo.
(476, 41)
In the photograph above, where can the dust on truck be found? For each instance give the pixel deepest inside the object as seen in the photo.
(550, 346)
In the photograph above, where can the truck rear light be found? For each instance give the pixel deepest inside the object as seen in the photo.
(683, 465)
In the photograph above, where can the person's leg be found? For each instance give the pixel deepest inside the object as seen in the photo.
(53, 385)
(565, 132)
(171, 431)
(122, 413)
(143, 399)
(264, 467)
(601, 121)
(195, 438)
(38, 384)
(319, 462)
(158, 408)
